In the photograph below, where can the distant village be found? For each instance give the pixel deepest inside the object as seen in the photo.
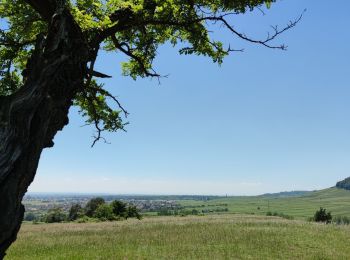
(39, 204)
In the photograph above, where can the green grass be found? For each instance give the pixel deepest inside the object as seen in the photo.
(194, 237)
(333, 199)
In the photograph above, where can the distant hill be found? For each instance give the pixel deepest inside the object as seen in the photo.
(297, 204)
(287, 194)
(344, 184)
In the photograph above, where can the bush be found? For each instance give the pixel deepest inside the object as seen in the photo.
(119, 208)
(104, 212)
(323, 216)
(30, 216)
(281, 215)
(92, 205)
(133, 212)
(194, 212)
(55, 215)
(85, 219)
(75, 212)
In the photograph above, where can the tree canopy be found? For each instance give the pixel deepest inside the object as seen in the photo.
(92, 205)
(134, 28)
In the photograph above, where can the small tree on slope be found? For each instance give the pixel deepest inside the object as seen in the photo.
(323, 216)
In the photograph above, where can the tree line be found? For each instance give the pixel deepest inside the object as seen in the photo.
(95, 209)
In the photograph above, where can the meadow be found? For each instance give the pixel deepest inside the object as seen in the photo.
(300, 207)
(228, 236)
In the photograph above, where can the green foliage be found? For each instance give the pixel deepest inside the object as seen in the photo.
(187, 212)
(29, 216)
(75, 212)
(281, 215)
(134, 28)
(55, 215)
(322, 215)
(21, 27)
(133, 212)
(123, 210)
(97, 208)
(92, 205)
(93, 106)
(85, 219)
(104, 212)
(344, 184)
(119, 208)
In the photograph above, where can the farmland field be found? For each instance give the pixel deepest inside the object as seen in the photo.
(228, 236)
(300, 207)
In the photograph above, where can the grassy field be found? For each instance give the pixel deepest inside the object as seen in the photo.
(333, 199)
(192, 237)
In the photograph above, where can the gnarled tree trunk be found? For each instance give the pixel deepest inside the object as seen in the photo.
(30, 118)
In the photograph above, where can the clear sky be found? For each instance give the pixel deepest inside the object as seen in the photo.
(265, 121)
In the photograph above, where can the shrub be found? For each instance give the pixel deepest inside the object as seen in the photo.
(281, 215)
(323, 216)
(104, 212)
(29, 216)
(55, 215)
(194, 212)
(92, 205)
(133, 212)
(85, 219)
(119, 208)
(75, 212)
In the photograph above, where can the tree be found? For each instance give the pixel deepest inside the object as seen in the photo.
(104, 212)
(323, 216)
(119, 208)
(92, 205)
(75, 212)
(55, 215)
(29, 216)
(48, 49)
(133, 212)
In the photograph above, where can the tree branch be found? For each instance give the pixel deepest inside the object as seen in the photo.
(109, 32)
(108, 94)
(130, 53)
(269, 38)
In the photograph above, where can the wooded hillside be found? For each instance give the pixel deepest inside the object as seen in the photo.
(344, 184)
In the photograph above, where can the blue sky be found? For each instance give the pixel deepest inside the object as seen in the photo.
(265, 121)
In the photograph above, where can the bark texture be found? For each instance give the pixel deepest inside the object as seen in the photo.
(30, 118)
